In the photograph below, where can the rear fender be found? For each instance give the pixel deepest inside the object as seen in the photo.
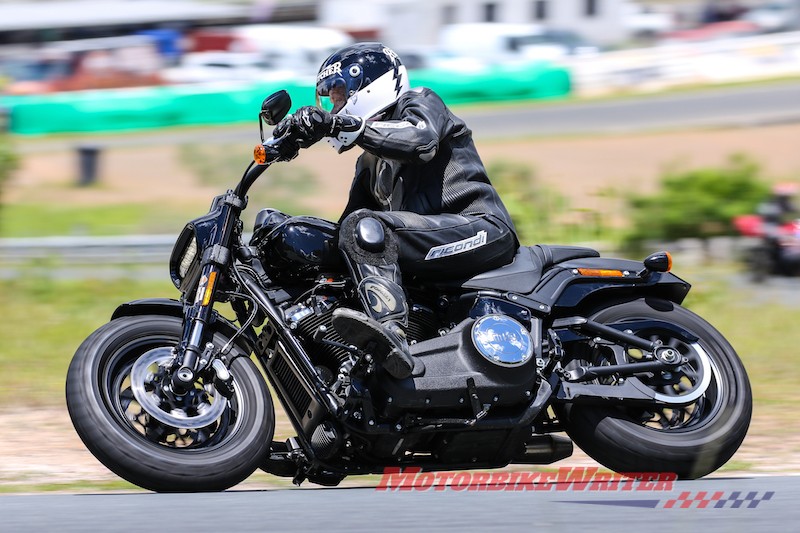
(566, 287)
(174, 308)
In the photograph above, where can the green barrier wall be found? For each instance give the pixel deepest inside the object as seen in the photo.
(158, 107)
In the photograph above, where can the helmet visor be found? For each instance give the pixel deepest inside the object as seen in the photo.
(331, 94)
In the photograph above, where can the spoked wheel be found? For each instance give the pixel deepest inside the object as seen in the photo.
(154, 438)
(704, 405)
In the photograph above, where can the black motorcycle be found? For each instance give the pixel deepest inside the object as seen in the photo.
(172, 395)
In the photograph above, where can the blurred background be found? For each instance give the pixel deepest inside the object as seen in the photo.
(624, 125)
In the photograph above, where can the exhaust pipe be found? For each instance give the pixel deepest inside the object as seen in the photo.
(545, 449)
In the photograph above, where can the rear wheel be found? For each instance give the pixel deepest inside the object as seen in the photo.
(706, 402)
(200, 441)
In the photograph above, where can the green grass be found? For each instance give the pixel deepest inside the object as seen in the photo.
(39, 220)
(44, 321)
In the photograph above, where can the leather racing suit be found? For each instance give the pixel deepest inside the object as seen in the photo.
(438, 216)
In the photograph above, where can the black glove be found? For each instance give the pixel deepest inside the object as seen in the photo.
(308, 125)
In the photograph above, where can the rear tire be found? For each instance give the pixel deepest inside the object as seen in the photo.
(137, 447)
(691, 441)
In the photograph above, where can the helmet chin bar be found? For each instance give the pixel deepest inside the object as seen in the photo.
(378, 95)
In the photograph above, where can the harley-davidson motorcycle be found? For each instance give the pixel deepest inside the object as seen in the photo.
(173, 395)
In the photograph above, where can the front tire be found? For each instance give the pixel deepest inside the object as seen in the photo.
(690, 441)
(135, 445)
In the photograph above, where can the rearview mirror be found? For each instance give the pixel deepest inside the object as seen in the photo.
(275, 107)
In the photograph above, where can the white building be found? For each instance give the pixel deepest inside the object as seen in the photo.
(417, 22)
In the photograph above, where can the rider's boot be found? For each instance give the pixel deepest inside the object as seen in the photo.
(372, 258)
(380, 331)
(386, 341)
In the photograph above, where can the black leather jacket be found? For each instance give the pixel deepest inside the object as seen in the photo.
(421, 158)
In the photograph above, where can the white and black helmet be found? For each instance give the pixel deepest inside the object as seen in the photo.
(363, 80)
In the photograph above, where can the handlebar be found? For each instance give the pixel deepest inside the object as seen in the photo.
(271, 150)
(283, 148)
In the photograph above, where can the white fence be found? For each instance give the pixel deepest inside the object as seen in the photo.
(698, 63)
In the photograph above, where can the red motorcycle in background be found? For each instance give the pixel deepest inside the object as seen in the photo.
(778, 249)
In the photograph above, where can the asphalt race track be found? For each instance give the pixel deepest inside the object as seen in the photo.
(719, 107)
(718, 504)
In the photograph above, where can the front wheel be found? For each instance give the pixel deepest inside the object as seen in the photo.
(201, 441)
(706, 402)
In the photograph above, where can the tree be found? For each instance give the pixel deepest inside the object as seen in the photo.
(699, 203)
(532, 206)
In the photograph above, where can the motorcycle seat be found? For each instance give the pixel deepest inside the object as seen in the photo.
(525, 271)
(520, 275)
(552, 255)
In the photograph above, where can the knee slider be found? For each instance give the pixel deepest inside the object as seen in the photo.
(370, 235)
(366, 239)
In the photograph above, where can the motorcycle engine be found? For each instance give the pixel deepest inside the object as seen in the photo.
(309, 316)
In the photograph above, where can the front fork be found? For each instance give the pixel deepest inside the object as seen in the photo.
(194, 357)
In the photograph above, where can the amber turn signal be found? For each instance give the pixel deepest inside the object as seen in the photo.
(212, 280)
(601, 272)
(260, 154)
(659, 262)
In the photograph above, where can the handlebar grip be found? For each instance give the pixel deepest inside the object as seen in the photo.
(283, 148)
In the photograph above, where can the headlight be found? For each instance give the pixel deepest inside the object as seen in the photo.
(184, 263)
(187, 258)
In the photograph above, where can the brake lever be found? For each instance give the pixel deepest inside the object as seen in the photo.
(283, 148)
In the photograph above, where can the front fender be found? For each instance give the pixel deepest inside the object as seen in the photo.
(566, 287)
(149, 306)
(171, 307)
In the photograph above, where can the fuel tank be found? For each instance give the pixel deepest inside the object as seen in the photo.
(296, 245)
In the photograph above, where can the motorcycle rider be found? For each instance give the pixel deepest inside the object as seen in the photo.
(775, 212)
(420, 202)
(780, 208)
